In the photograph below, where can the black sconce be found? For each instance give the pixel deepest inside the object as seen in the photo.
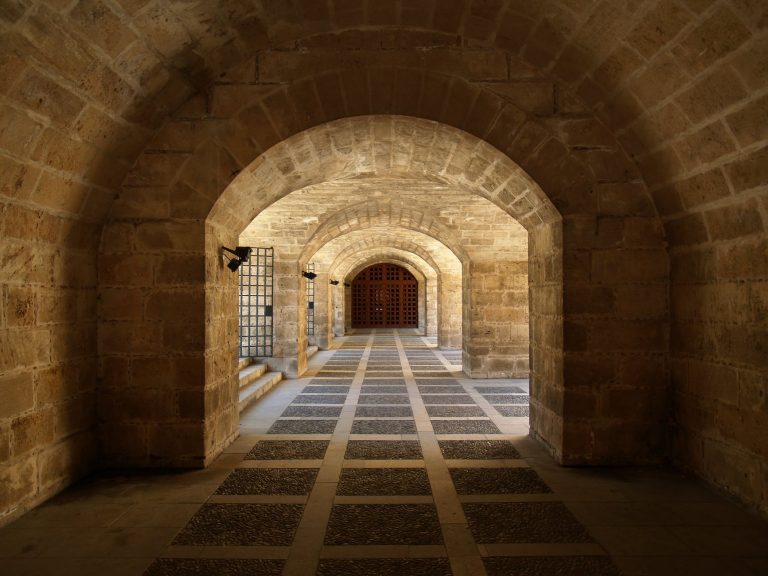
(335, 282)
(347, 285)
(242, 254)
(309, 275)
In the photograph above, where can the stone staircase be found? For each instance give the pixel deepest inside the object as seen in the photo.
(255, 381)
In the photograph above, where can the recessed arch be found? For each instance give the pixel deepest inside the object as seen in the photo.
(393, 147)
(390, 146)
(383, 213)
(574, 187)
(440, 266)
(434, 316)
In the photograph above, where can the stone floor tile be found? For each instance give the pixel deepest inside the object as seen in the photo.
(76, 566)
(464, 427)
(506, 522)
(379, 389)
(383, 411)
(241, 525)
(289, 481)
(217, 567)
(441, 389)
(498, 481)
(485, 390)
(311, 412)
(507, 398)
(319, 399)
(325, 389)
(550, 565)
(478, 450)
(659, 565)
(383, 382)
(513, 411)
(383, 399)
(454, 411)
(382, 524)
(383, 450)
(288, 450)
(385, 567)
(383, 482)
(302, 427)
(447, 399)
(383, 427)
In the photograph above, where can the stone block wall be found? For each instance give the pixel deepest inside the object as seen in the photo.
(449, 321)
(545, 297)
(496, 300)
(153, 326)
(48, 364)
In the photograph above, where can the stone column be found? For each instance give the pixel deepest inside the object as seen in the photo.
(497, 343)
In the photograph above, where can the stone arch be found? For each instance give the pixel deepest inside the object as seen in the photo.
(425, 276)
(582, 192)
(331, 302)
(383, 213)
(647, 87)
(448, 269)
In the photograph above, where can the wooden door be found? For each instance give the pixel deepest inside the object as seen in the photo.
(385, 296)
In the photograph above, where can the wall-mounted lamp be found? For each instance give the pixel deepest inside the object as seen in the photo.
(335, 282)
(347, 284)
(242, 254)
(309, 275)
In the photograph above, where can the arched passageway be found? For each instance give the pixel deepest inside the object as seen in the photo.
(625, 138)
(385, 296)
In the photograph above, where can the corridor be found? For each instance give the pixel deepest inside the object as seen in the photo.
(384, 460)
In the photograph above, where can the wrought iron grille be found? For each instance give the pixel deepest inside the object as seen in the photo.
(310, 301)
(256, 292)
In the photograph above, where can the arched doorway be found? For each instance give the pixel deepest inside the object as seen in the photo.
(385, 296)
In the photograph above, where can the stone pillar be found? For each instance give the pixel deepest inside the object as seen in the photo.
(450, 311)
(497, 343)
(345, 317)
(421, 295)
(289, 354)
(545, 287)
(322, 309)
(431, 306)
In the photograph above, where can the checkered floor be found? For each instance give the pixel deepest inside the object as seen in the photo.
(388, 462)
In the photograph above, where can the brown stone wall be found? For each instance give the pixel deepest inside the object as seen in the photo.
(48, 367)
(615, 301)
(720, 357)
(545, 298)
(152, 335)
(219, 408)
(450, 316)
(496, 295)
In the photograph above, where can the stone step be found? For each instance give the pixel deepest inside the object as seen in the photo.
(311, 351)
(257, 388)
(244, 363)
(251, 373)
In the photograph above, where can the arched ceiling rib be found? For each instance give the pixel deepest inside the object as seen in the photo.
(383, 147)
(89, 83)
(353, 265)
(431, 250)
